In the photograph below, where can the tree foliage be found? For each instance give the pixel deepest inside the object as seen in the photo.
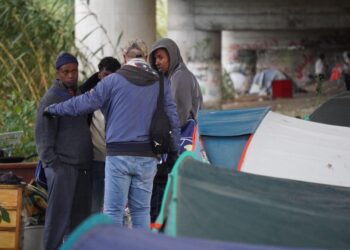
(162, 18)
(32, 34)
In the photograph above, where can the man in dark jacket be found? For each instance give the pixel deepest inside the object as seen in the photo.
(65, 149)
(107, 66)
(128, 100)
(165, 57)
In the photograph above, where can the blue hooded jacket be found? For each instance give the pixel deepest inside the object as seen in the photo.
(127, 99)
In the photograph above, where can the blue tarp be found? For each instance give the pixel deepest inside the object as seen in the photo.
(224, 133)
(230, 122)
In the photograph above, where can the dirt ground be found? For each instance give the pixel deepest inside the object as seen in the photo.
(300, 105)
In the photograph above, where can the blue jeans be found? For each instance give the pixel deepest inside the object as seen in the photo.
(129, 180)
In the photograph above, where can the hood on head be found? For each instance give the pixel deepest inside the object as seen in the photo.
(138, 72)
(173, 51)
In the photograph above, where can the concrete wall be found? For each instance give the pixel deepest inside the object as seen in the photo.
(271, 14)
(103, 27)
(264, 34)
(245, 53)
(199, 49)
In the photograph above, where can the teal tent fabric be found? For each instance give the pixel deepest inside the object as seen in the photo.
(221, 204)
(230, 122)
(225, 133)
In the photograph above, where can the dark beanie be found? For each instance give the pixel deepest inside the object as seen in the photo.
(65, 58)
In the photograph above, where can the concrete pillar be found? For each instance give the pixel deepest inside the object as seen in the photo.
(103, 27)
(238, 62)
(199, 49)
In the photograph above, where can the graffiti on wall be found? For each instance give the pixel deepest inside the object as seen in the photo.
(203, 61)
(295, 58)
(239, 70)
(301, 68)
(208, 76)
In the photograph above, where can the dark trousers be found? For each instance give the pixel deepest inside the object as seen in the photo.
(320, 79)
(69, 202)
(156, 199)
(98, 185)
(159, 184)
(347, 81)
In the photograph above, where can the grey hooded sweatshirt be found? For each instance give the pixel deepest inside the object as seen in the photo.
(185, 89)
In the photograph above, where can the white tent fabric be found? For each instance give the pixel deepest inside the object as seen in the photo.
(291, 148)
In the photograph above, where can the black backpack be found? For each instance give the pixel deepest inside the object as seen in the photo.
(160, 131)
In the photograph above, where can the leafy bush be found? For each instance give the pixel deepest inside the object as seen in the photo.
(32, 34)
(19, 116)
(31, 37)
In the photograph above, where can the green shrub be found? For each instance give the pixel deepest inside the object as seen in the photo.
(19, 116)
(32, 34)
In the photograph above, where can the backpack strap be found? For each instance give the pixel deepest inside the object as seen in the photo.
(160, 101)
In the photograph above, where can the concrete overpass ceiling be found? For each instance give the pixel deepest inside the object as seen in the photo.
(270, 14)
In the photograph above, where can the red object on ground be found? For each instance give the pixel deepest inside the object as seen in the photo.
(282, 89)
(336, 72)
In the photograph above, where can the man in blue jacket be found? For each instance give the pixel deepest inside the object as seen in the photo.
(128, 100)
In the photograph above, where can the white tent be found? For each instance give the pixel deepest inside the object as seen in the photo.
(291, 148)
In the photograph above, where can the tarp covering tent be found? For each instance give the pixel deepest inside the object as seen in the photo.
(262, 142)
(291, 148)
(98, 233)
(335, 111)
(224, 134)
(262, 82)
(222, 204)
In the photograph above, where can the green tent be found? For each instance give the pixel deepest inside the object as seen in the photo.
(215, 203)
(335, 111)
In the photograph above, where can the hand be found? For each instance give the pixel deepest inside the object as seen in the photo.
(47, 113)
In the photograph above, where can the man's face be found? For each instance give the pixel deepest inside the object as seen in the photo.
(68, 74)
(162, 60)
(103, 73)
